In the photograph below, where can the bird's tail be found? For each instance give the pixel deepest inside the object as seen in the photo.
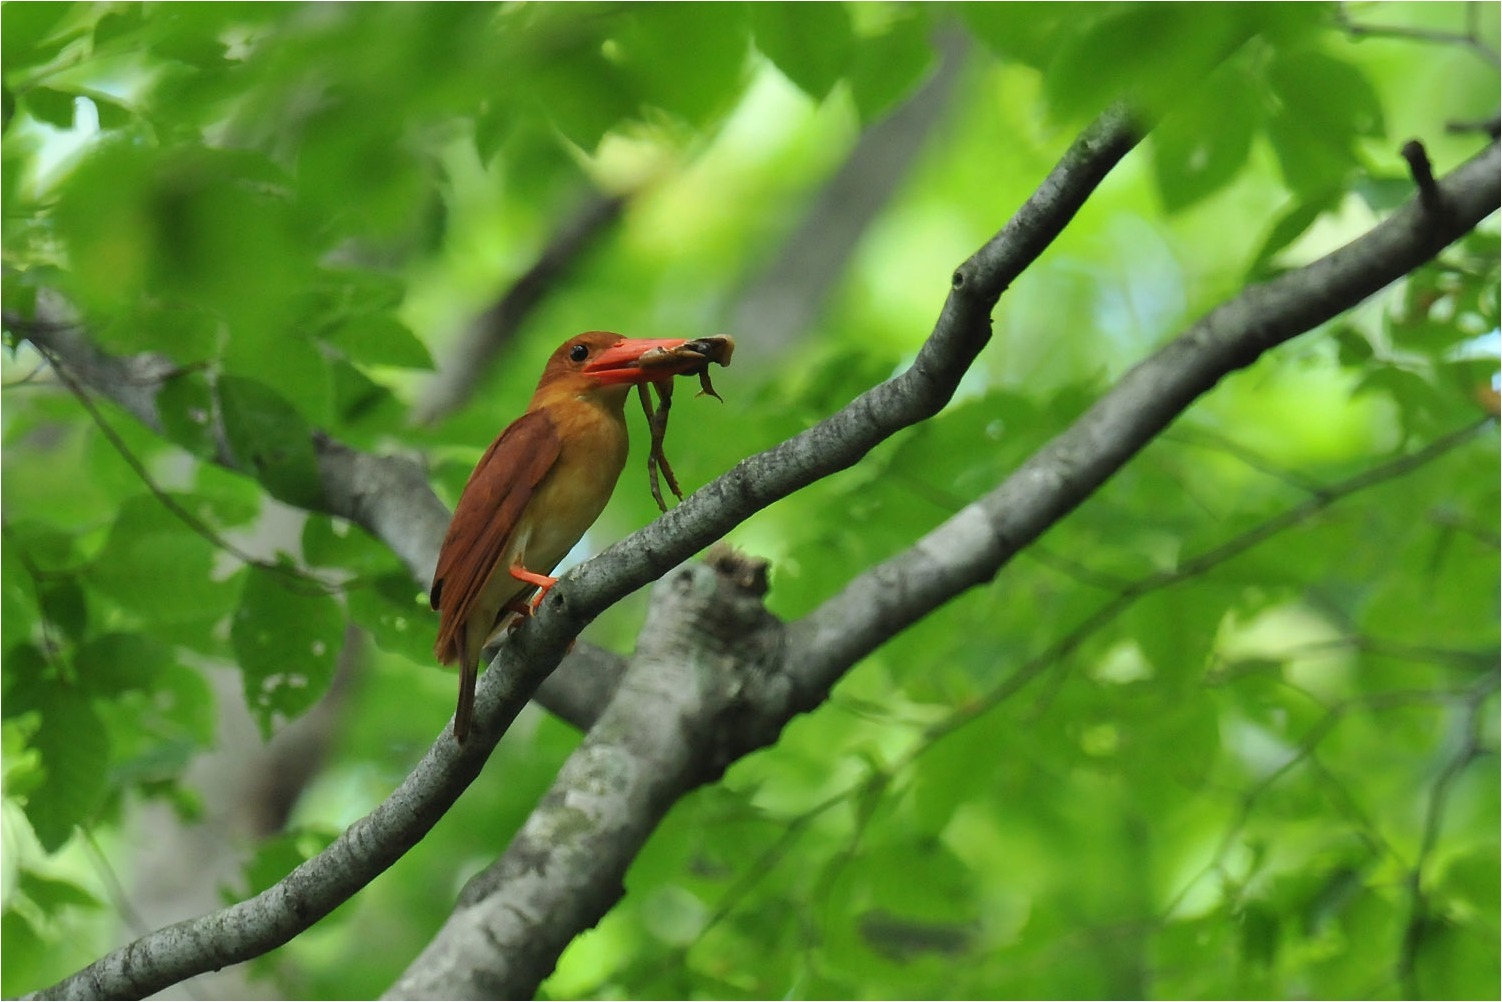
(465, 712)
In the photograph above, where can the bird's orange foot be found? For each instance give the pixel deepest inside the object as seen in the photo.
(544, 584)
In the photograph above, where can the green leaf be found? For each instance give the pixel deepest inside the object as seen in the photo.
(65, 606)
(116, 25)
(185, 405)
(54, 107)
(74, 751)
(157, 567)
(116, 663)
(53, 894)
(30, 33)
(397, 615)
(1029, 33)
(363, 404)
(28, 677)
(1205, 142)
(1324, 106)
(22, 941)
(1149, 55)
(192, 33)
(378, 339)
(331, 542)
(271, 439)
(185, 700)
(1288, 227)
(686, 59)
(279, 855)
(19, 613)
(102, 220)
(112, 114)
(810, 43)
(185, 335)
(1176, 629)
(1354, 348)
(207, 230)
(297, 367)
(288, 644)
(1455, 962)
(887, 67)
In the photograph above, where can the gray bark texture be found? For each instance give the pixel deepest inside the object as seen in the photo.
(717, 676)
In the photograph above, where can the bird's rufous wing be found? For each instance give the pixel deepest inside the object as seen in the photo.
(492, 503)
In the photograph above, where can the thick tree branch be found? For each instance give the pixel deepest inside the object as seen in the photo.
(975, 544)
(565, 869)
(253, 927)
(707, 639)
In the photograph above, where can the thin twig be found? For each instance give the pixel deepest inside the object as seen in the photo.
(1469, 39)
(1470, 748)
(198, 526)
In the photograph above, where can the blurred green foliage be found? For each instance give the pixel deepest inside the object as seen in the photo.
(1228, 730)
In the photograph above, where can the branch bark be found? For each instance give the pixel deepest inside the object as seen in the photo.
(706, 642)
(880, 602)
(565, 869)
(266, 921)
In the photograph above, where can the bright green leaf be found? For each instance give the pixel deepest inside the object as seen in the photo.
(158, 567)
(887, 67)
(270, 438)
(287, 642)
(54, 107)
(1205, 142)
(375, 339)
(810, 43)
(53, 894)
(397, 615)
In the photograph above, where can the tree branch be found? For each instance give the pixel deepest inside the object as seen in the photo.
(707, 639)
(266, 921)
(975, 544)
(566, 867)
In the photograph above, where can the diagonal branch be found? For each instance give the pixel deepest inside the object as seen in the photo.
(266, 921)
(970, 548)
(566, 868)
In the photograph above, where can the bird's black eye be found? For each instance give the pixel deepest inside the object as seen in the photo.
(578, 353)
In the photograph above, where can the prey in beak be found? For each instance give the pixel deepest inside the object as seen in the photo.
(645, 361)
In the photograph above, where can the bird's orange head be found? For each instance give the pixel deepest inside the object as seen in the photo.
(606, 365)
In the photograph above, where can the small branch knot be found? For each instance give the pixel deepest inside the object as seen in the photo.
(746, 572)
(1430, 196)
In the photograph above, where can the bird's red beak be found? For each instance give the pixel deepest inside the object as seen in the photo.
(645, 360)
